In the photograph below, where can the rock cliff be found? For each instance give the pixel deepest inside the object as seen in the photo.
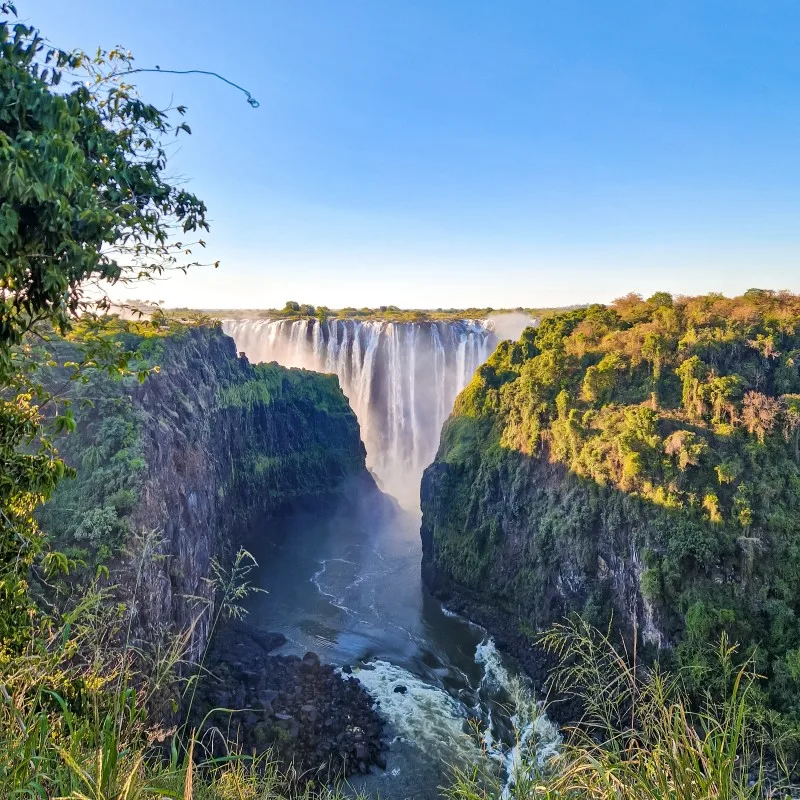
(640, 463)
(170, 472)
(518, 543)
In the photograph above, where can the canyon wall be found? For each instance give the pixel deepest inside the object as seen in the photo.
(171, 472)
(637, 463)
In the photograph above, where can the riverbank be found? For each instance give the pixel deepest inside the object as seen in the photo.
(313, 717)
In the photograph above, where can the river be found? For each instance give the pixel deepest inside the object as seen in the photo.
(349, 588)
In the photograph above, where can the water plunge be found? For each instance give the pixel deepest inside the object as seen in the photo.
(349, 586)
(401, 379)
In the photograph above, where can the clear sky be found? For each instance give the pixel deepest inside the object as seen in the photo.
(467, 152)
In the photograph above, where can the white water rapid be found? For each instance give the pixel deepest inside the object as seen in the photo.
(401, 379)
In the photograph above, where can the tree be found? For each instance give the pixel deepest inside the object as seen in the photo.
(759, 413)
(661, 300)
(687, 446)
(656, 347)
(292, 307)
(85, 201)
(631, 308)
(722, 391)
(600, 379)
(791, 415)
(85, 197)
(691, 372)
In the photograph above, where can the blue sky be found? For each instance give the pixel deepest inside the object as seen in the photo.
(455, 153)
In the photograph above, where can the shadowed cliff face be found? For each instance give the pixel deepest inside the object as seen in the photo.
(401, 379)
(526, 543)
(215, 442)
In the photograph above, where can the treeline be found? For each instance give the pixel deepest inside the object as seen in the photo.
(294, 310)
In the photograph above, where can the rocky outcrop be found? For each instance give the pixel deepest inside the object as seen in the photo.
(170, 473)
(639, 462)
(305, 711)
(224, 442)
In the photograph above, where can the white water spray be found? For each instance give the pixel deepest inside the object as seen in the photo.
(401, 379)
(537, 738)
(426, 715)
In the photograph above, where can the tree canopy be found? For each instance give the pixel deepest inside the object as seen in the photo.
(83, 183)
(689, 405)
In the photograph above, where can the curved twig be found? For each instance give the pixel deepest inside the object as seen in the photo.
(250, 99)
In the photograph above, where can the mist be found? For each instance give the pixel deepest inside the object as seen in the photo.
(509, 325)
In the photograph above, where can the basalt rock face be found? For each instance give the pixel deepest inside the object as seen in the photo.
(225, 441)
(171, 471)
(518, 543)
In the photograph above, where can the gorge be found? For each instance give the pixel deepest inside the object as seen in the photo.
(213, 451)
(349, 586)
(348, 550)
(400, 377)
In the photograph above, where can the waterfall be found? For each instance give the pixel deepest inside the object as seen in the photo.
(401, 379)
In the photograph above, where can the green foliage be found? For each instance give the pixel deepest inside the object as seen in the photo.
(87, 514)
(85, 200)
(271, 383)
(295, 310)
(74, 715)
(316, 448)
(299, 437)
(81, 170)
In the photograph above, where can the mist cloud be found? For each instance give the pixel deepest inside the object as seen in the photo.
(509, 325)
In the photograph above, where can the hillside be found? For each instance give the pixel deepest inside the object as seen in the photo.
(638, 461)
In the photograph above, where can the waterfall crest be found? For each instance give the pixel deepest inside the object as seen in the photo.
(401, 379)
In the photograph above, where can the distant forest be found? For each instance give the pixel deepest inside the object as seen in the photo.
(295, 310)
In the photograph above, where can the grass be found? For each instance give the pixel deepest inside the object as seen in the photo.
(640, 739)
(73, 727)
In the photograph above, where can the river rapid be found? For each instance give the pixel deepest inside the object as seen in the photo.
(349, 588)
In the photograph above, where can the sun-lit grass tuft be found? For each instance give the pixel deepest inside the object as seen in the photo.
(639, 738)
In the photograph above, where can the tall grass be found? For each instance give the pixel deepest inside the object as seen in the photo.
(640, 737)
(74, 715)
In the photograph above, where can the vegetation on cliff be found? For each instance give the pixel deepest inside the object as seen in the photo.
(649, 442)
(299, 438)
(85, 199)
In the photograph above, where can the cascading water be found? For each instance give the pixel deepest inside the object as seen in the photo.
(401, 379)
